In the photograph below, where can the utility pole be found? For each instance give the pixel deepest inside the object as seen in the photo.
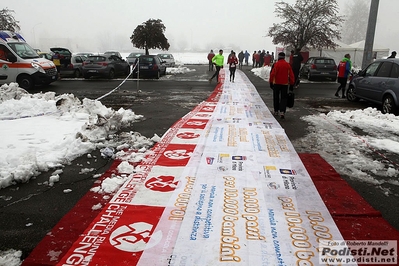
(368, 45)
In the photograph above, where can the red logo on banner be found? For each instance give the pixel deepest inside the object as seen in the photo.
(187, 135)
(208, 109)
(162, 183)
(196, 123)
(176, 155)
(134, 237)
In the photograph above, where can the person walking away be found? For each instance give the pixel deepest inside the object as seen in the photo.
(262, 58)
(272, 58)
(232, 62)
(344, 68)
(210, 56)
(254, 59)
(257, 58)
(246, 56)
(267, 59)
(281, 79)
(297, 59)
(393, 55)
(292, 57)
(240, 59)
(218, 60)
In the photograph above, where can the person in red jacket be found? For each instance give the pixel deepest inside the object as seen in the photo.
(210, 56)
(281, 77)
(232, 62)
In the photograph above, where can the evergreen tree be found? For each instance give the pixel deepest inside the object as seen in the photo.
(150, 35)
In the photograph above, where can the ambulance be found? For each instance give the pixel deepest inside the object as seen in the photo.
(20, 63)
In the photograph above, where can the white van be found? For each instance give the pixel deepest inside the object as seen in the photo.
(20, 63)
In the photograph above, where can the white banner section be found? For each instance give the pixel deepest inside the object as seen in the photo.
(244, 198)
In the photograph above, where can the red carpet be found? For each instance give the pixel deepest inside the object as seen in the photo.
(355, 218)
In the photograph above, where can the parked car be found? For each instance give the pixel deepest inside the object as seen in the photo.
(319, 67)
(168, 58)
(86, 54)
(118, 54)
(131, 58)
(149, 66)
(46, 55)
(71, 65)
(105, 65)
(377, 83)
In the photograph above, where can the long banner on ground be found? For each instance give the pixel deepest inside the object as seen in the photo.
(223, 187)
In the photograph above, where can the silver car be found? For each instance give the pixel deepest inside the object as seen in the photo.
(378, 83)
(168, 59)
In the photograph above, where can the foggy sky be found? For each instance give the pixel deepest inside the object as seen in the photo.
(100, 25)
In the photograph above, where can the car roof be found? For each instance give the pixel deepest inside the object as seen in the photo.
(59, 49)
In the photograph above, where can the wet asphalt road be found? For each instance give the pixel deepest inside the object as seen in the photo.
(162, 102)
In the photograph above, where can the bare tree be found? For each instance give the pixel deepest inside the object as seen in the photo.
(356, 19)
(150, 35)
(7, 20)
(310, 23)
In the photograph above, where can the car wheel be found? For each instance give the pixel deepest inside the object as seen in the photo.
(388, 105)
(76, 73)
(350, 94)
(25, 82)
(158, 74)
(111, 74)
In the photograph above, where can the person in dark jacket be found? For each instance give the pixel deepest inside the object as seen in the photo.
(344, 68)
(281, 78)
(297, 59)
(393, 55)
(240, 59)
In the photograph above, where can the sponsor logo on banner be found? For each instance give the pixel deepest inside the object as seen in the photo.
(273, 185)
(119, 231)
(162, 183)
(176, 155)
(208, 109)
(287, 172)
(195, 123)
(209, 160)
(135, 237)
(239, 157)
(187, 135)
(221, 156)
(222, 168)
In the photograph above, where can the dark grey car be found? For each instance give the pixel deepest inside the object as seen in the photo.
(105, 65)
(149, 66)
(378, 83)
(319, 68)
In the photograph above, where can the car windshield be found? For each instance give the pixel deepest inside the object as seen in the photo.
(96, 58)
(23, 50)
(165, 56)
(135, 54)
(146, 59)
(325, 61)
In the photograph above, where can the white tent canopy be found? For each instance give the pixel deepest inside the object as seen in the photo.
(356, 51)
